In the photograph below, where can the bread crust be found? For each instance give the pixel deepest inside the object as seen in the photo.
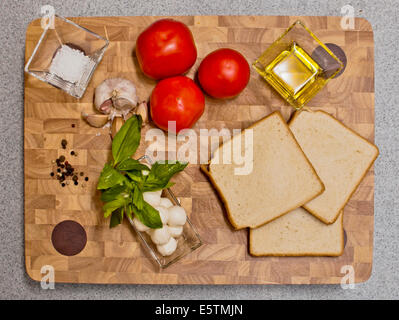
(205, 169)
(308, 254)
(208, 173)
(295, 116)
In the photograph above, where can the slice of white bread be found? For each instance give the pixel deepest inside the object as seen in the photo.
(282, 178)
(340, 156)
(298, 233)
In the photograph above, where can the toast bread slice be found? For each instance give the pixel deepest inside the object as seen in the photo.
(298, 233)
(282, 178)
(340, 156)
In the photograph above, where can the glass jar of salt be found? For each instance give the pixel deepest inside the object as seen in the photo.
(66, 56)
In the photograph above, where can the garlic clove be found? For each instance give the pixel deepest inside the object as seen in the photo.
(117, 124)
(106, 107)
(142, 110)
(123, 105)
(96, 120)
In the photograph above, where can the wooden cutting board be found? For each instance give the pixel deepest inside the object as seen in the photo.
(115, 256)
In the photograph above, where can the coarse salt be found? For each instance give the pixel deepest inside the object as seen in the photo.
(69, 64)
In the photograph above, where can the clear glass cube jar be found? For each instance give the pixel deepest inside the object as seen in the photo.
(66, 32)
(187, 242)
(298, 65)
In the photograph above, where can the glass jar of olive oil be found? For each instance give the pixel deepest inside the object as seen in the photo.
(297, 65)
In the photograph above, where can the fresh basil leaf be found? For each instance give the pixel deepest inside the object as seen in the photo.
(127, 140)
(116, 218)
(149, 216)
(138, 199)
(113, 193)
(109, 177)
(156, 187)
(160, 174)
(136, 176)
(131, 164)
(113, 205)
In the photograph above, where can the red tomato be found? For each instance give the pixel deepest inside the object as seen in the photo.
(166, 48)
(223, 73)
(176, 99)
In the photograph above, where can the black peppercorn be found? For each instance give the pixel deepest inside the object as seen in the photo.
(52, 174)
(87, 179)
(76, 183)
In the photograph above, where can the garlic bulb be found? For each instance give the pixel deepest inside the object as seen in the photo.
(117, 100)
(116, 95)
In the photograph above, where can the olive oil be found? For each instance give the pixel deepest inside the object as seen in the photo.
(295, 75)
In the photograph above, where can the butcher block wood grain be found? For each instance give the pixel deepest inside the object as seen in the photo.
(115, 256)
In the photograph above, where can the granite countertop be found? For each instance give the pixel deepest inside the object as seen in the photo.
(15, 16)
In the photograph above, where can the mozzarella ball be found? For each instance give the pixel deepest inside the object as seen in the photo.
(160, 236)
(153, 198)
(159, 193)
(176, 231)
(139, 225)
(163, 213)
(177, 216)
(166, 203)
(168, 248)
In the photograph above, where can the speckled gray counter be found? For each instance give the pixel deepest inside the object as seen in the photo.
(15, 16)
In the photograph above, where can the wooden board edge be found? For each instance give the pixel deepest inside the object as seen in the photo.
(30, 273)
